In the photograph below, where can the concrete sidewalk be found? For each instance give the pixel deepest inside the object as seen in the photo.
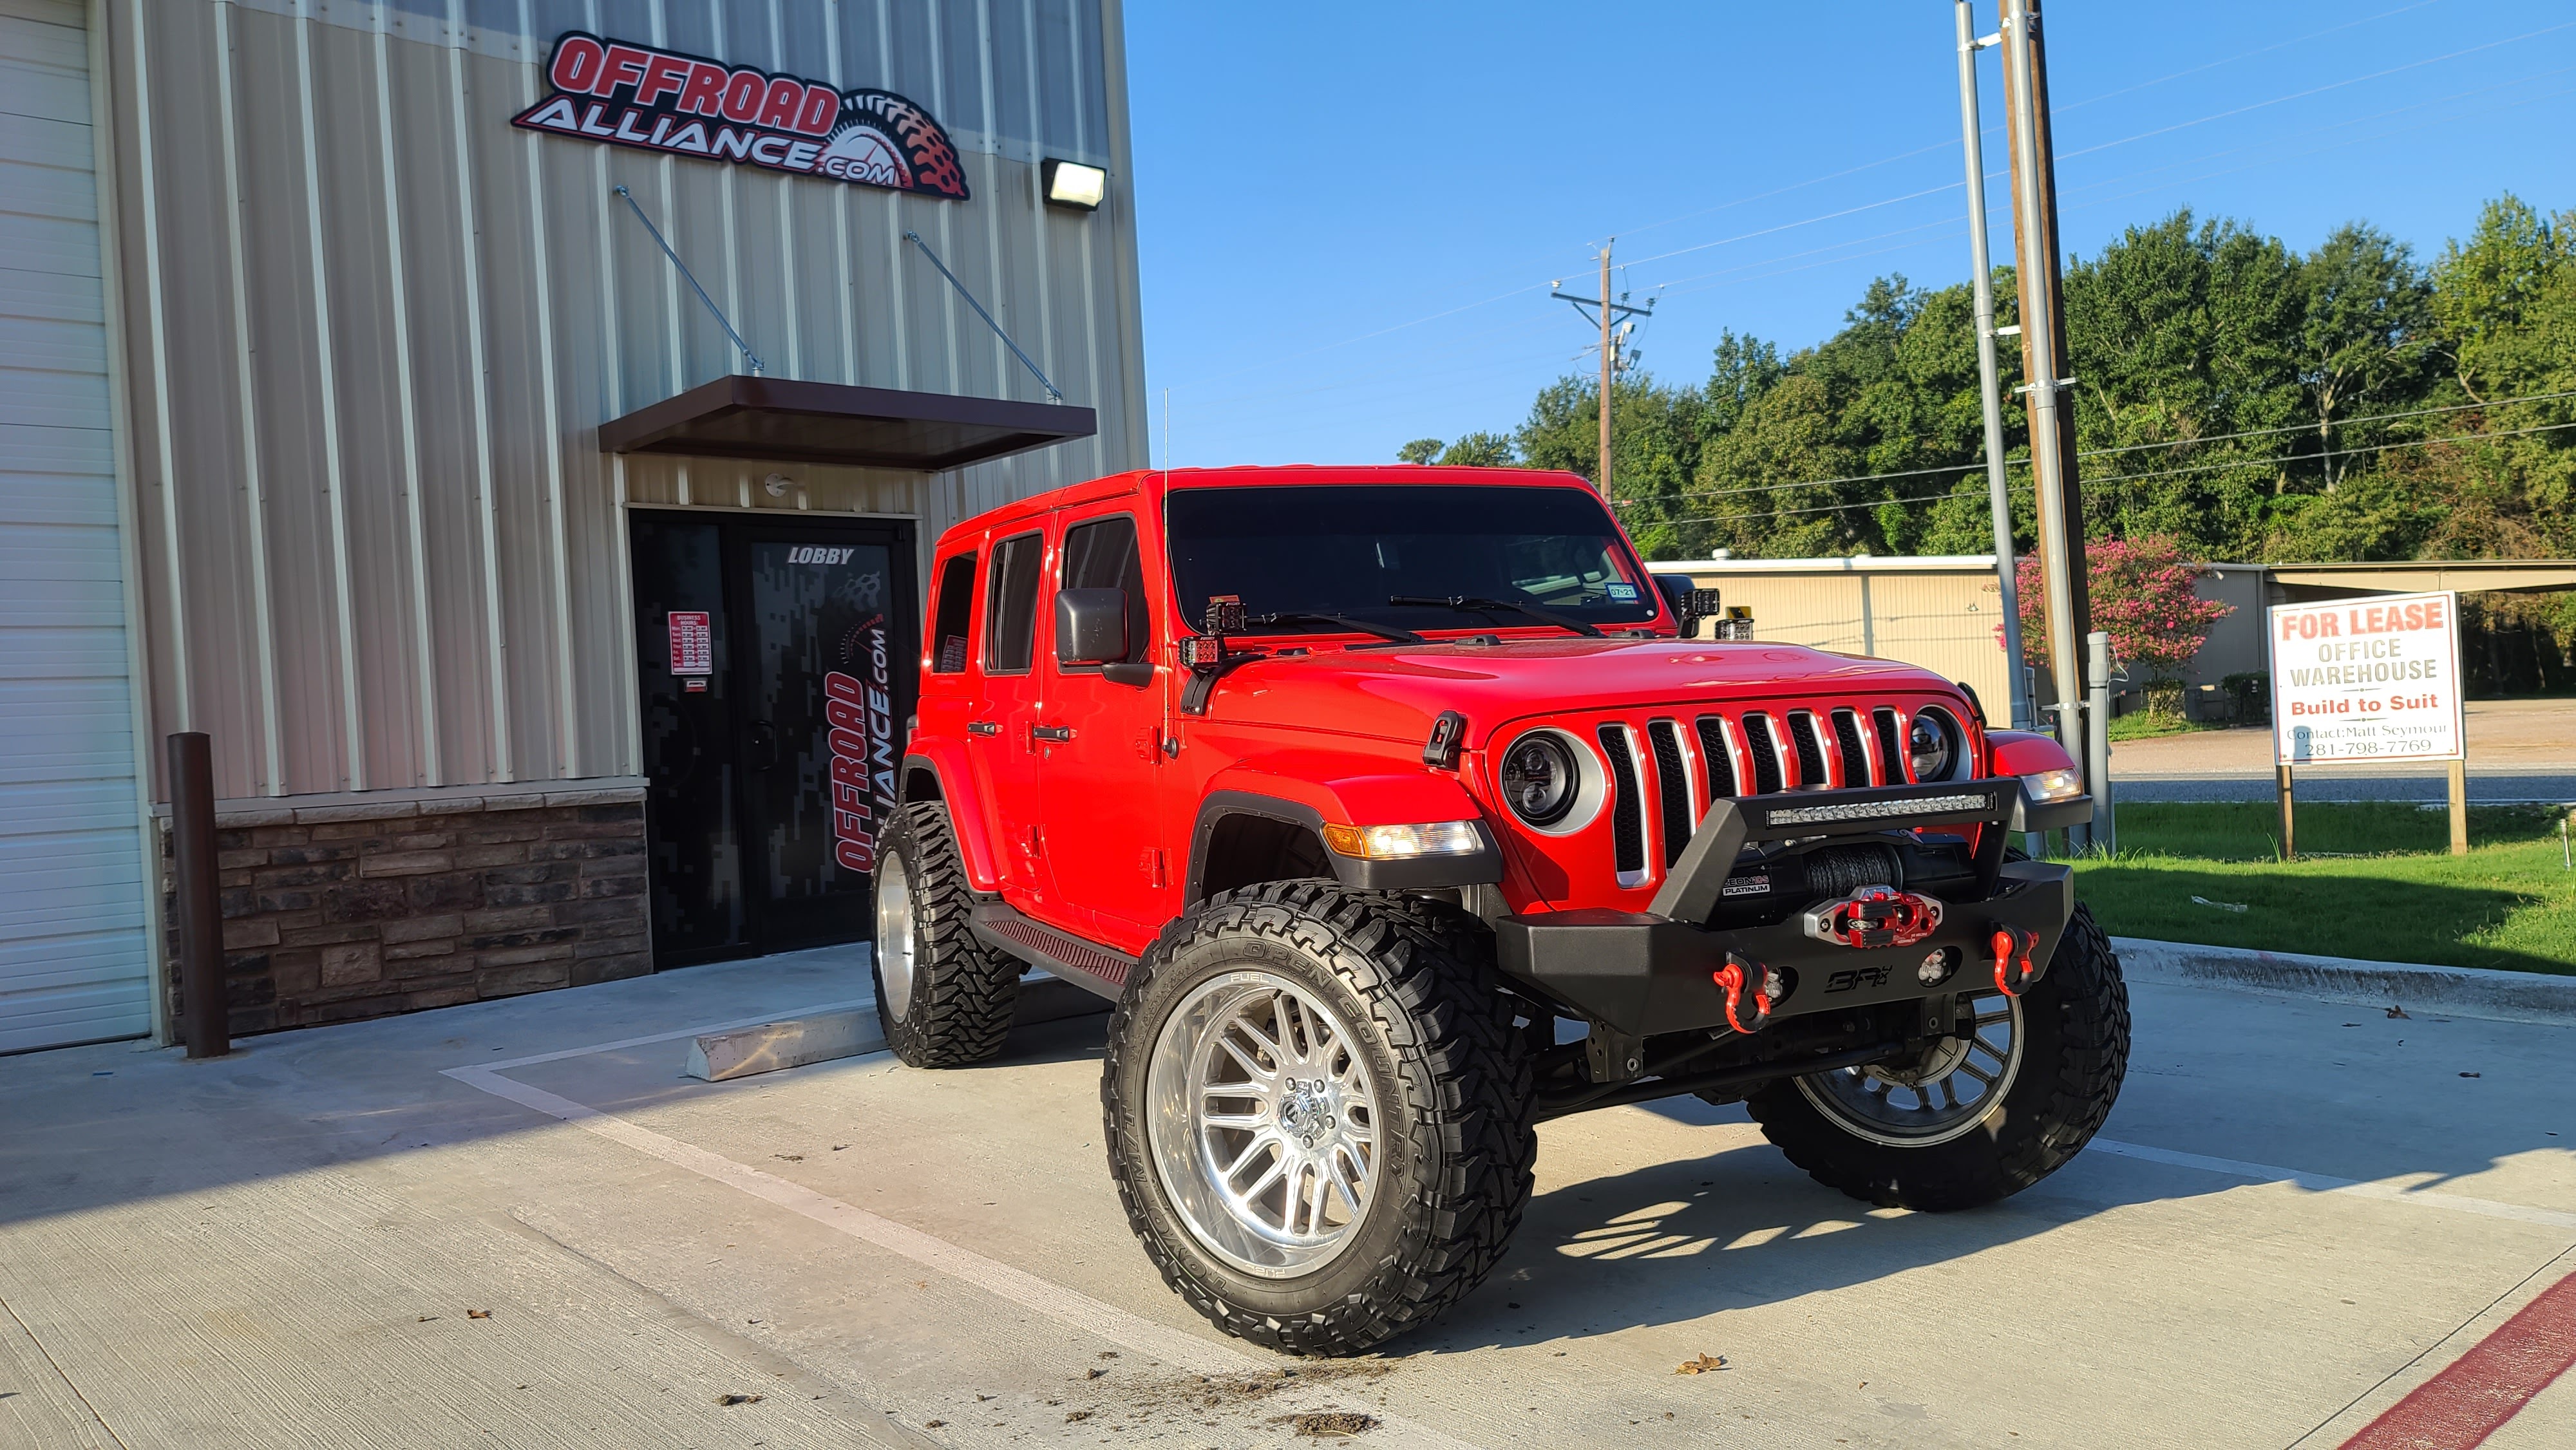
(2297, 1213)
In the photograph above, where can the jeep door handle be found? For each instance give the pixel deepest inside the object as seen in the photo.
(1051, 734)
(983, 727)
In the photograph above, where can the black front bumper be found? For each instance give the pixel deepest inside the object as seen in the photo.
(1642, 973)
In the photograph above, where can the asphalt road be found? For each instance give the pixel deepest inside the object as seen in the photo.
(2298, 1216)
(2325, 785)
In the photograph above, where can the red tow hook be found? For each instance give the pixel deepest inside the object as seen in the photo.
(2009, 943)
(1736, 976)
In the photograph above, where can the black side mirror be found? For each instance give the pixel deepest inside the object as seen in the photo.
(1090, 626)
(1690, 605)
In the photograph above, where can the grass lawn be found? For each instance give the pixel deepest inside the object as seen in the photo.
(2147, 725)
(2374, 880)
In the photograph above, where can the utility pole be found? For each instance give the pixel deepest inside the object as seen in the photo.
(1610, 315)
(1989, 378)
(1609, 367)
(2044, 373)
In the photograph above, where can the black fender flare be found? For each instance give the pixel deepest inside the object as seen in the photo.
(1482, 867)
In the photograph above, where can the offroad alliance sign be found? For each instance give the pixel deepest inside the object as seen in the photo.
(624, 94)
(2367, 680)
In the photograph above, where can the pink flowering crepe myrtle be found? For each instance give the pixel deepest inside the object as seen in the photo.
(2142, 597)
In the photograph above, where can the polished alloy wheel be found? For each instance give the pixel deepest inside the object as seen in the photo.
(1932, 1099)
(1263, 1121)
(895, 946)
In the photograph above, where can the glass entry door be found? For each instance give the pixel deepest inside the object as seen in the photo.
(771, 752)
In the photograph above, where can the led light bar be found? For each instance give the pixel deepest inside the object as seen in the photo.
(1938, 805)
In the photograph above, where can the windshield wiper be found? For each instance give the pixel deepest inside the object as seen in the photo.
(1337, 621)
(1468, 603)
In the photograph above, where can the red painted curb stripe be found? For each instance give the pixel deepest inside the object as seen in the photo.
(2476, 1393)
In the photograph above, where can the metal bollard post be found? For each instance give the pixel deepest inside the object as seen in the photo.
(2097, 740)
(201, 923)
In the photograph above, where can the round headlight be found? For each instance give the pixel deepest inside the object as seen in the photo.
(1539, 781)
(1930, 741)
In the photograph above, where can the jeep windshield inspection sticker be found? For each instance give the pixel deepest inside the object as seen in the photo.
(2367, 680)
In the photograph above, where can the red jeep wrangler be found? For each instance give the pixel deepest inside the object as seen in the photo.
(1398, 812)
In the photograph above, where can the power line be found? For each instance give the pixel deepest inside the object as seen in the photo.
(2243, 55)
(2319, 90)
(2338, 423)
(2136, 447)
(2106, 479)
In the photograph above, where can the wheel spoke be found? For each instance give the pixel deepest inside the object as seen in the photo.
(1944, 1089)
(1267, 1199)
(1259, 1143)
(1268, 1043)
(1260, 1074)
(1278, 1169)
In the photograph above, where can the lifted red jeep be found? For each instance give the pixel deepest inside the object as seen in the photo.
(1398, 812)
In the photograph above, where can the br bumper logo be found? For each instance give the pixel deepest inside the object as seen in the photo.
(624, 94)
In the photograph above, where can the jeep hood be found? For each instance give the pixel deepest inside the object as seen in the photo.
(1395, 693)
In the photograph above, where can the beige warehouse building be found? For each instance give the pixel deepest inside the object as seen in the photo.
(351, 414)
(1937, 611)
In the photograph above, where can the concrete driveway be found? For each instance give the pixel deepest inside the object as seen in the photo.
(2519, 751)
(2299, 1216)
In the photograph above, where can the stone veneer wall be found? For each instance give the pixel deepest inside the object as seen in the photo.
(341, 911)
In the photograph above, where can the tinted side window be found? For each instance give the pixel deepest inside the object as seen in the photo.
(1101, 554)
(1011, 613)
(948, 640)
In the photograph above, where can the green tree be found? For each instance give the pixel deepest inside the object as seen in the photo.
(1480, 450)
(2368, 339)
(1420, 450)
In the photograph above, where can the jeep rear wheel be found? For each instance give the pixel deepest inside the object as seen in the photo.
(944, 999)
(1318, 1114)
(1977, 1117)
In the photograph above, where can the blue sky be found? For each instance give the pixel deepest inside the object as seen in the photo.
(1351, 213)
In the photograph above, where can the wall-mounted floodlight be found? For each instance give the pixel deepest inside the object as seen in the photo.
(1070, 183)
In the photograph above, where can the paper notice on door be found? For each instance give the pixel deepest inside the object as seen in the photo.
(693, 649)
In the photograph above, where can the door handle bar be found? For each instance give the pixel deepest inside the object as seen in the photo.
(1051, 734)
(983, 727)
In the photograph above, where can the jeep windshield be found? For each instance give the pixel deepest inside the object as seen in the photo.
(1344, 549)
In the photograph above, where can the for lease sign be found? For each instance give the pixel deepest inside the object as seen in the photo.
(2373, 679)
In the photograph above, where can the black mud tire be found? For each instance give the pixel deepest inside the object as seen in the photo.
(1417, 982)
(2077, 1024)
(958, 1010)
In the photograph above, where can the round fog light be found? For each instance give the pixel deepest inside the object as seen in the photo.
(1937, 966)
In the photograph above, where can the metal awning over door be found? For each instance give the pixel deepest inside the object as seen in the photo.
(790, 421)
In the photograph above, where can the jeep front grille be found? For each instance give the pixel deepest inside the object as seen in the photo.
(1665, 771)
(1673, 788)
(1894, 767)
(1627, 805)
(1764, 747)
(1811, 751)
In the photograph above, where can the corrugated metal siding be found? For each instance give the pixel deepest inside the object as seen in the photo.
(1944, 621)
(374, 330)
(73, 958)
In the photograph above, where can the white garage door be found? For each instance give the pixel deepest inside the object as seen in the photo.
(73, 965)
